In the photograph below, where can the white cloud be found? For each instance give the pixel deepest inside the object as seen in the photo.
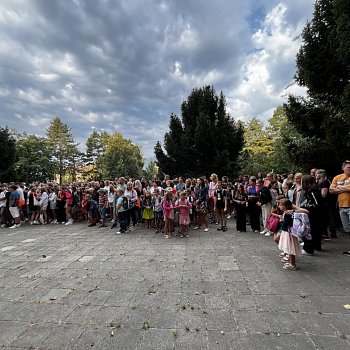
(269, 68)
(101, 65)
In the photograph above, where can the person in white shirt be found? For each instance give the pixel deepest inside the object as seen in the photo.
(131, 194)
(53, 204)
(2, 205)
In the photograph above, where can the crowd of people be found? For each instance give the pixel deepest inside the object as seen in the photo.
(170, 206)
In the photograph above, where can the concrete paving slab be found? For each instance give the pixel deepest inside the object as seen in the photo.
(69, 287)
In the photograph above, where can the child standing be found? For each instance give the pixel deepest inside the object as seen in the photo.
(158, 210)
(147, 202)
(288, 243)
(168, 213)
(184, 207)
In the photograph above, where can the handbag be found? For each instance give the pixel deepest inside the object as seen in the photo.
(201, 208)
(21, 202)
(273, 224)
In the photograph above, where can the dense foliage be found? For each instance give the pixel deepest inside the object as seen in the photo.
(7, 154)
(204, 139)
(323, 66)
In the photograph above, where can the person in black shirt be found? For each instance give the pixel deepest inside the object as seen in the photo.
(221, 206)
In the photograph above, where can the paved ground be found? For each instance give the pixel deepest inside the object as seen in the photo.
(88, 288)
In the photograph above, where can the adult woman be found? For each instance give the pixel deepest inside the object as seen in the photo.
(53, 204)
(213, 186)
(138, 189)
(296, 188)
(253, 208)
(311, 199)
(239, 200)
(201, 194)
(43, 203)
(330, 203)
(131, 194)
(61, 204)
(111, 200)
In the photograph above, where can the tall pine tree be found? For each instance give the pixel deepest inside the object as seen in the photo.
(205, 139)
(63, 147)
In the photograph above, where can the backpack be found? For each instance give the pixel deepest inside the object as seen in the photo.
(126, 203)
(76, 199)
(301, 226)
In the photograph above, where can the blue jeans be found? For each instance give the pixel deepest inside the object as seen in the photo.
(123, 220)
(345, 218)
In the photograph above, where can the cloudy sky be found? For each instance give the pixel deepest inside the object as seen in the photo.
(126, 65)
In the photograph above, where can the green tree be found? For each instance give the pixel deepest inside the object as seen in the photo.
(204, 139)
(323, 118)
(34, 160)
(258, 148)
(150, 170)
(122, 157)
(62, 145)
(7, 156)
(96, 145)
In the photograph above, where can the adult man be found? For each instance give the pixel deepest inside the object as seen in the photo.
(180, 186)
(313, 172)
(341, 186)
(13, 206)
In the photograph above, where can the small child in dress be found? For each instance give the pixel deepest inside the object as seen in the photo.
(158, 211)
(184, 207)
(147, 202)
(168, 213)
(288, 243)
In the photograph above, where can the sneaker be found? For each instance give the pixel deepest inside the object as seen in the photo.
(224, 228)
(36, 222)
(256, 231)
(206, 229)
(228, 216)
(15, 226)
(197, 228)
(263, 232)
(112, 221)
(3, 225)
(290, 267)
(347, 253)
(304, 252)
(267, 234)
(119, 233)
(220, 228)
(70, 222)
